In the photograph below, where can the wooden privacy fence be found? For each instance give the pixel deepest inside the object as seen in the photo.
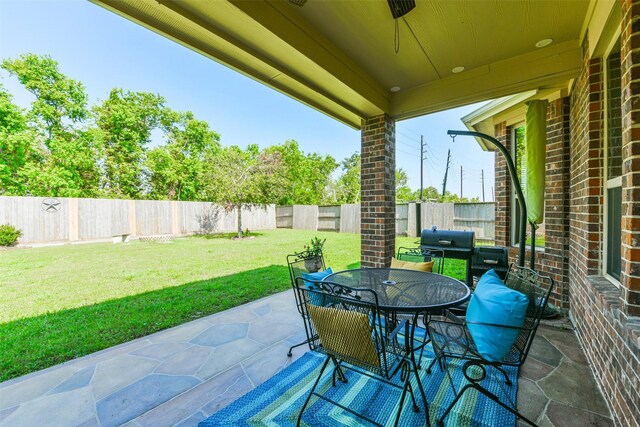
(47, 220)
(44, 220)
(479, 217)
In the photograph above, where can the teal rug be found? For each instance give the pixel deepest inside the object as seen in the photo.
(277, 401)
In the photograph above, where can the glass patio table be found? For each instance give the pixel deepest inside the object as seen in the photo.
(407, 293)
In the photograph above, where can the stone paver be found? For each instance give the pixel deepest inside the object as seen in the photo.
(186, 362)
(161, 351)
(140, 397)
(78, 380)
(182, 375)
(112, 375)
(217, 335)
(557, 387)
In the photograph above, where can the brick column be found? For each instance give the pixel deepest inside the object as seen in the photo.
(630, 57)
(587, 160)
(503, 189)
(555, 259)
(378, 191)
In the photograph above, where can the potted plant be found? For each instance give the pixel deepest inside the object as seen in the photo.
(313, 252)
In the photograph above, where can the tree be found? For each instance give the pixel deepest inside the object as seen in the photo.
(403, 191)
(348, 183)
(308, 175)
(66, 160)
(454, 198)
(16, 146)
(431, 194)
(238, 179)
(125, 121)
(57, 97)
(175, 168)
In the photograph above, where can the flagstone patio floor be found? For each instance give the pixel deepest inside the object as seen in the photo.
(180, 376)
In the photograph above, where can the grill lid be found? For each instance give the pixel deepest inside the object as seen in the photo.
(455, 239)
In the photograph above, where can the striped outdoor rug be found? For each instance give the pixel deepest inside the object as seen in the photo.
(278, 400)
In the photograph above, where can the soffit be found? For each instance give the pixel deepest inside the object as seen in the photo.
(339, 57)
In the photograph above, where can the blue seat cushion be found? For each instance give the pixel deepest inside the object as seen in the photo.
(493, 302)
(314, 298)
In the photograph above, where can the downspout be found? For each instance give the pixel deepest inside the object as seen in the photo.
(514, 180)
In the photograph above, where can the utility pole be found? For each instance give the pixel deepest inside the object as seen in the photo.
(421, 165)
(461, 181)
(482, 184)
(446, 171)
(493, 195)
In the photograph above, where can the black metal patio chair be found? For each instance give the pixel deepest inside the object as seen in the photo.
(423, 255)
(349, 328)
(299, 264)
(452, 338)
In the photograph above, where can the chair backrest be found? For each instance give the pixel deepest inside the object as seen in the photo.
(537, 288)
(303, 262)
(423, 255)
(346, 323)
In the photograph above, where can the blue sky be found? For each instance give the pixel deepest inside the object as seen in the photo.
(103, 50)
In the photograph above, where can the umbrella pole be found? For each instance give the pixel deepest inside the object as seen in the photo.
(533, 247)
(516, 185)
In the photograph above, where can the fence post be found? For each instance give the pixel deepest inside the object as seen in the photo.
(411, 219)
(133, 221)
(73, 220)
(175, 224)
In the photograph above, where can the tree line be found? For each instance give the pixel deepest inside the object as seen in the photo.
(63, 147)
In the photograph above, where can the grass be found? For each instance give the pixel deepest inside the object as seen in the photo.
(540, 241)
(63, 302)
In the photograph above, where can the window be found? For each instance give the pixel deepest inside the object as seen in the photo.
(613, 164)
(519, 154)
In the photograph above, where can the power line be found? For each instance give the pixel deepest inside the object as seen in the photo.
(410, 130)
(405, 152)
(408, 145)
(408, 136)
(433, 154)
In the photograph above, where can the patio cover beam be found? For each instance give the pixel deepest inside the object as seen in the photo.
(549, 68)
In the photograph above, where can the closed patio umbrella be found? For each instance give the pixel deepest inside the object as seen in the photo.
(536, 136)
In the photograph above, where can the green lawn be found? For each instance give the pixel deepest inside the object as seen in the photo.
(63, 302)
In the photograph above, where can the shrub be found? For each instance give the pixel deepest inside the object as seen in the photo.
(9, 235)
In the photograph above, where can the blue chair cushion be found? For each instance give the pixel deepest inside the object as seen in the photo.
(316, 299)
(493, 302)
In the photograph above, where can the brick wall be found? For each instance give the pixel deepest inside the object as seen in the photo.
(599, 309)
(503, 188)
(378, 188)
(606, 316)
(555, 259)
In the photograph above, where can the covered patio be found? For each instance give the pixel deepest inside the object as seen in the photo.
(354, 62)
(182, 375)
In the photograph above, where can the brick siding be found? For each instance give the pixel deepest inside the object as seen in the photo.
(503, 188)
(600, 310)
(378, 188)
(605, 315)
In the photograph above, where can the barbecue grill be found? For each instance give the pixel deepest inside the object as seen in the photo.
(486, 258)
(456, 244)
